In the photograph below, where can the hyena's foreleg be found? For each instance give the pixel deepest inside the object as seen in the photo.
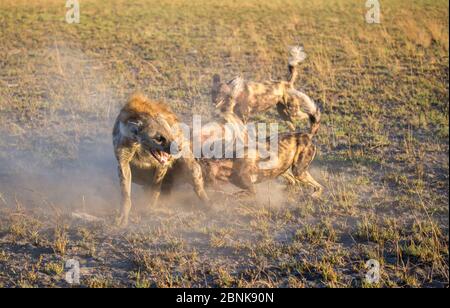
(125, 185)
(124, 156)
(156, 185)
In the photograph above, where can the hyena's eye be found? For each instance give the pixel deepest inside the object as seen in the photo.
(160, 139)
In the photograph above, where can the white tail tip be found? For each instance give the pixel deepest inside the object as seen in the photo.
(296, 55)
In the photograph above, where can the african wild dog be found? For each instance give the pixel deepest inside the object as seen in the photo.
(258, 97)
(295, 150)
(145, 137)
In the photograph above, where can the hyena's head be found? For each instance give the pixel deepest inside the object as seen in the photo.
(153, 127)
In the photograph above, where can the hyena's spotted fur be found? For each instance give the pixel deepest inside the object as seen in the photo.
(144, 137)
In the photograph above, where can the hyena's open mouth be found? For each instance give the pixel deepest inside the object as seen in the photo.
(160, 156)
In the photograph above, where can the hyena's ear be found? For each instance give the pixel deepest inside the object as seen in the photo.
(215, 88)
(130, 128)
(134, 127)
(163, 123)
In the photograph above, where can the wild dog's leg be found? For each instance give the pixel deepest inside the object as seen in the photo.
(301, 172)
(288, 176)
(283, 112)
(243, 179)
(124, 158)
(309, 180)
(195, 172)
(300, 168)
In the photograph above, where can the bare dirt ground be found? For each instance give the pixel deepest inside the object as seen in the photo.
(383, 145)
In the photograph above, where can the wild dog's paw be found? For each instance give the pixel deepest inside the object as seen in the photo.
(317, 195)
(245, 195)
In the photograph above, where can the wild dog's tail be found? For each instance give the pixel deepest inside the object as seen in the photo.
(296, 56)
(310, 108)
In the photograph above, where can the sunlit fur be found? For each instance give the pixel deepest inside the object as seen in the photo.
(135, 159)
(295, 150)
(257, 97)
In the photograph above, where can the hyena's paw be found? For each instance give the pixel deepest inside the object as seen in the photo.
(121, 221)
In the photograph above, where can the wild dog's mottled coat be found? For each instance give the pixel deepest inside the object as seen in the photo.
(295, 150)
(259, 97)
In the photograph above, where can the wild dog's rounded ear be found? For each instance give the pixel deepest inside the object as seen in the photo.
(216, 79)
(215, 88)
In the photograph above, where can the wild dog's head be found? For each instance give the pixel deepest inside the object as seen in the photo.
(220, 96)
(224, 95)
(298, 106)
(293, 109)
(152, 125)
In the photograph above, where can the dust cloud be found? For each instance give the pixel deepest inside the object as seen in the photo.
(58, 151)
(61, 155)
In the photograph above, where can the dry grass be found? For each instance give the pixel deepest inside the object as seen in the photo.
(383, 144)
